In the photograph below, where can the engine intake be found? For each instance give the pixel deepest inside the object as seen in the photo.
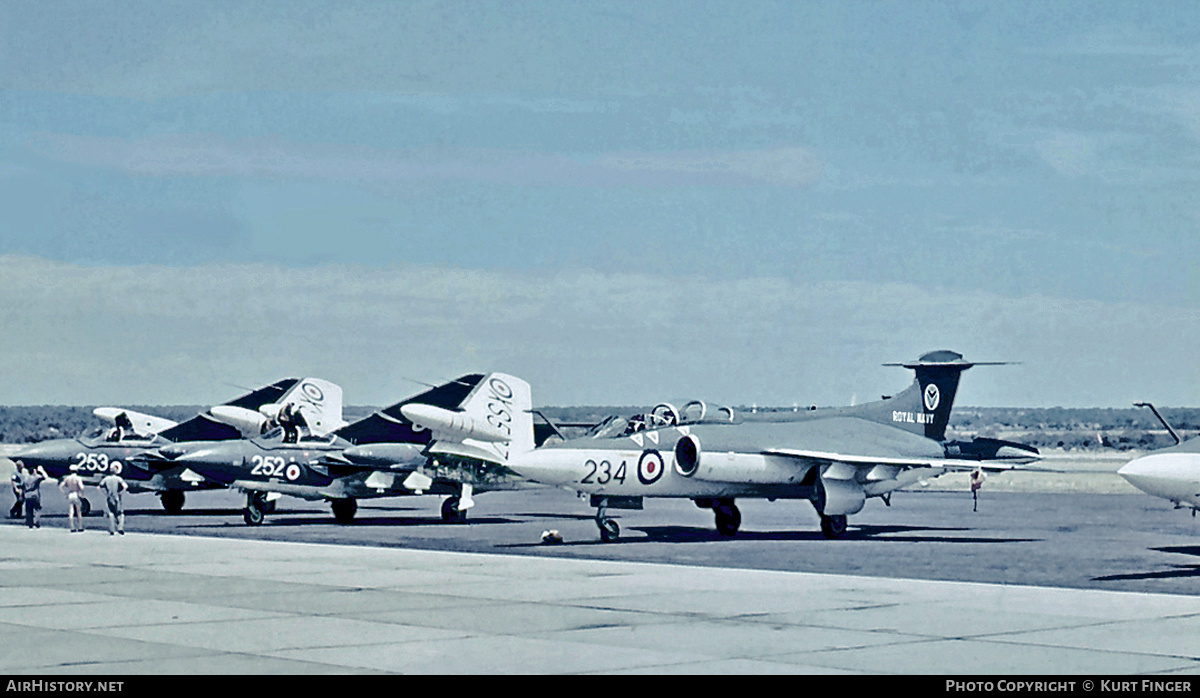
(687, 455)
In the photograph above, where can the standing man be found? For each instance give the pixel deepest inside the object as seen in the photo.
(72, 486)
(18, 495)
(977, 478)
(31, 491)
(113, 486)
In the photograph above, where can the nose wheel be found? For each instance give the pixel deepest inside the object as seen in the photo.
(609, 529)
(255, 511)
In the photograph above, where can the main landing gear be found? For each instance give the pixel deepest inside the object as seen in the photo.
(344, 510)
(728, 516)
(455, 507)
(450, 511)
(172, 501)
(833, 526)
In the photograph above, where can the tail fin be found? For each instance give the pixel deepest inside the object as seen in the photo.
(924, 407)
(318, 401)
(207, 427)
(495, 421)
(389, 425)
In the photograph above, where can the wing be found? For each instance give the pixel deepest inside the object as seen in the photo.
(856, 462)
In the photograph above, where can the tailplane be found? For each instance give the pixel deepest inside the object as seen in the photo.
(924, 407)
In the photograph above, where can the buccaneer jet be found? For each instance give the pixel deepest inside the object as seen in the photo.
(382, 455)
(835, 458)
(134, 437)
(1172, 473)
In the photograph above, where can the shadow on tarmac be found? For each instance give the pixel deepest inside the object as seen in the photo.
(694, 534)
(1177, 571)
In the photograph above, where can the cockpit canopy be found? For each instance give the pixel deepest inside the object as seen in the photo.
(113, 435)
(666, 414)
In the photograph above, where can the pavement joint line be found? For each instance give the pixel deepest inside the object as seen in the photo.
(1102, 650)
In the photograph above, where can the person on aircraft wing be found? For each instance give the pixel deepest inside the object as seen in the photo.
(287, 420)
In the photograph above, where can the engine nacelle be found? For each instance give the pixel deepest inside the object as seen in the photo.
(750, 468)
(839, 497)
(248, 422)
(447, 424)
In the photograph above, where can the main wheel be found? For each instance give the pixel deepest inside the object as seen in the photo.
(729, 518)
(833, 526)
(609, 530)
(450, 511)
(172, 501)
(253, 513)
(85, 507)
(344, 510)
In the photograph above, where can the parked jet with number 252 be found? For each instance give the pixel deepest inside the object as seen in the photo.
(122, 448)
(835, 458)
(382, 455)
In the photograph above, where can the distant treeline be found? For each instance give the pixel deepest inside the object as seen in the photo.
(1048, 427)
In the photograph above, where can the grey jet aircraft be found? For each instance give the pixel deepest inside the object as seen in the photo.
(1172, 473)
(835, 458)
(382, 455)
(123, 448)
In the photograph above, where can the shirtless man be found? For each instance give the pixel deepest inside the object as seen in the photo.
(72, 486)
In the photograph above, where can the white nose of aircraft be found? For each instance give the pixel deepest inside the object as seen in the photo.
(1173, 476)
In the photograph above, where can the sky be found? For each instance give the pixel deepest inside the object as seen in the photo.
(621, 202)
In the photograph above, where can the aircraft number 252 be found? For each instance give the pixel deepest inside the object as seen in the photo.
(602, 473)
(274, 466)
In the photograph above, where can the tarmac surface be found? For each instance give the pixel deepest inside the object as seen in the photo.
(1083, 582)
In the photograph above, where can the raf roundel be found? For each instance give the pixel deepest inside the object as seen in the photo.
(292, 472)
(650, 467)
(313, 392)
(932, 397)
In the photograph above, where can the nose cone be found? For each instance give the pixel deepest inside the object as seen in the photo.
(55, 456)
(1173, 476)
(221, 463)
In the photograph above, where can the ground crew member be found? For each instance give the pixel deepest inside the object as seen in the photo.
(18, 495)
(31, 492)
(72, 486)
(114, 485)
(977, 478)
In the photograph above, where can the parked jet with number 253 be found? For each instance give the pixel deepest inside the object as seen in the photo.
(122, 449)
(835, 458)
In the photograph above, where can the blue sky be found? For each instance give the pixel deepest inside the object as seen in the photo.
(620, 201)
